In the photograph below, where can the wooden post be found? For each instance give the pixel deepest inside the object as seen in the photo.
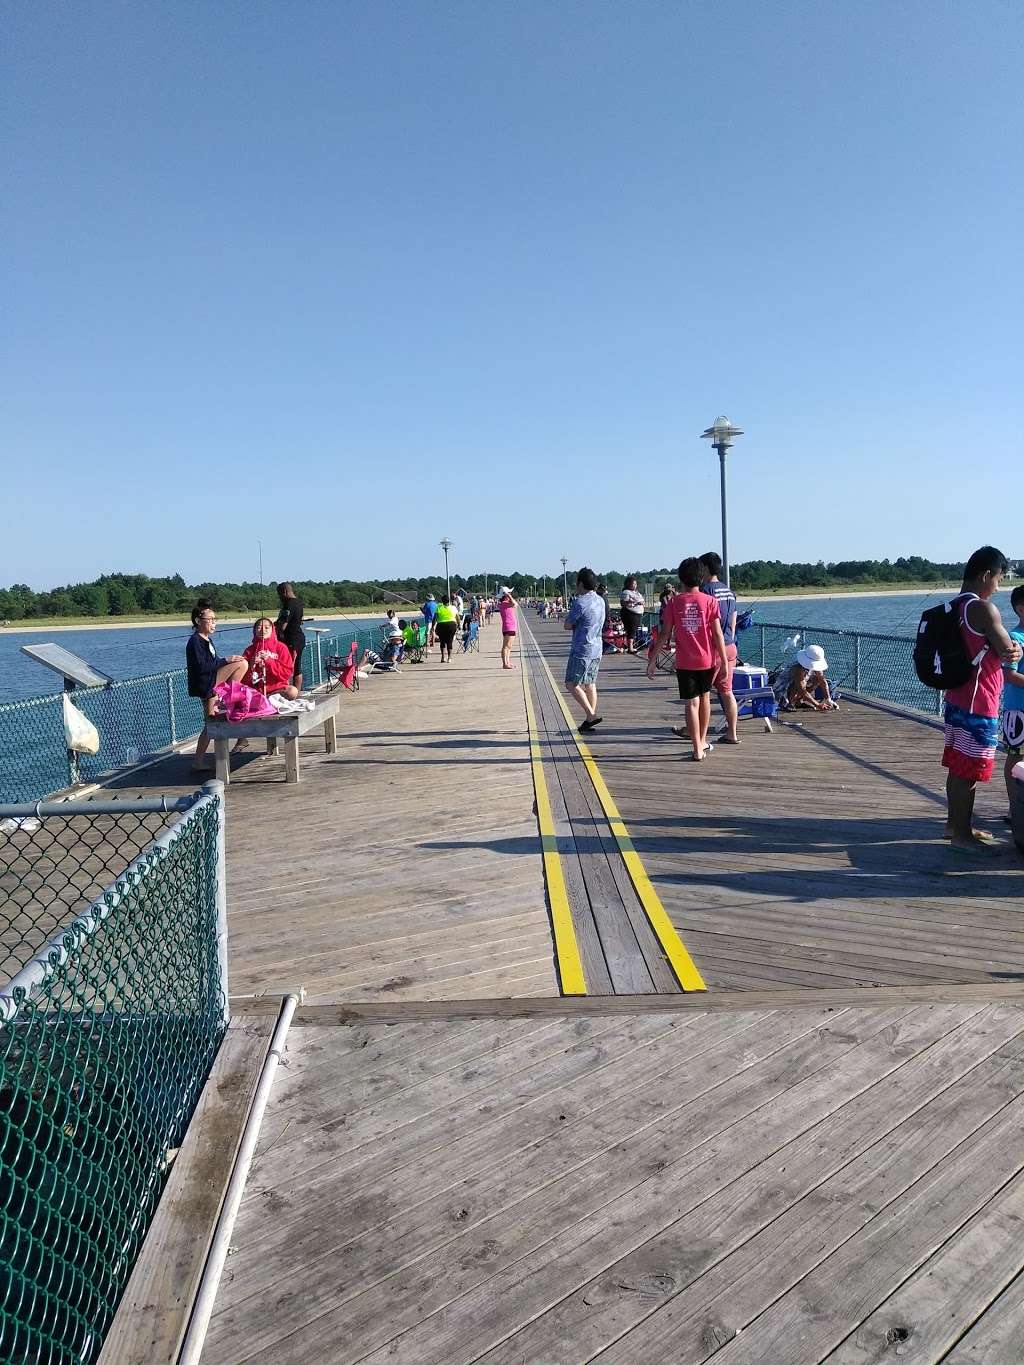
(291, 758)
(222, 754)
(331, 735)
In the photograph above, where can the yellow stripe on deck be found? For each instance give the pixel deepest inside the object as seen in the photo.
(570, 965)
(672, 945)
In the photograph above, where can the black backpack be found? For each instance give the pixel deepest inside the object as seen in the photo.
(940, 659)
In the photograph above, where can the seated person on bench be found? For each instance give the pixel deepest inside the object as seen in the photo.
(271, 664)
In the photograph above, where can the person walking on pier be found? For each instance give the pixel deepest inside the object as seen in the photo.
(429, 617)
(726, 599)
(289, 628)
(585, 618)
(445, 625)
(972, 710)
(693, 617)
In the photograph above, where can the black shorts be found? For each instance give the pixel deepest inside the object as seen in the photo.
(445, 632)
(694, 682)
(630, 621)
(508, 635)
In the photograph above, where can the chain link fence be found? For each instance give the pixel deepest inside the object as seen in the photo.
(879, 666)
(113, 939)
(135, 718)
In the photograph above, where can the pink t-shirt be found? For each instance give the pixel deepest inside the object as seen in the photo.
(692, 615)
(508, 619)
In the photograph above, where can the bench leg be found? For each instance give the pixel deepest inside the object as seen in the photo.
(271, 746)
(221, 753)
(331, 735)
(291, 760)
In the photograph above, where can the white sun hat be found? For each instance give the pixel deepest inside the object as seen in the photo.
(813, 658)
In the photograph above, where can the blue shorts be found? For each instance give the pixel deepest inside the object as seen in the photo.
(580, 671)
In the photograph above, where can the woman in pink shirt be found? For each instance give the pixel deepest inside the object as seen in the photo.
(509, 625)
(693, 617)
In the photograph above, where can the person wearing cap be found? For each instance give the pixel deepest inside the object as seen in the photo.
(430, 617)
(804, 682)
(509, 625)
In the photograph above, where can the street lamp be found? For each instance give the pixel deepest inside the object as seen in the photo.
(446, 545)
(721, 436)
(565, 581)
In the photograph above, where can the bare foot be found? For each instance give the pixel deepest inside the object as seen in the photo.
(981, 836)
(730, 739)
(981, 848)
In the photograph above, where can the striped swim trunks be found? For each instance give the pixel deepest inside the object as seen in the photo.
(970, 744)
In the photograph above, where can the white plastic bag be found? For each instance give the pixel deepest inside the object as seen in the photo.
(80, 735)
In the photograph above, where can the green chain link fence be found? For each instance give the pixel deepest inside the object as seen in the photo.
(135, 718)
(112, 933)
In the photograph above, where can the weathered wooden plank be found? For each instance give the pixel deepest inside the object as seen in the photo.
(154, 1311)
(998, 1332)
(347, 1012)
(430, 1270)
(949, 1292)
(868, 1267)
(669, 1270)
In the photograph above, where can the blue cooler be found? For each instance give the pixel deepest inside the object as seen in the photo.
(753, 695)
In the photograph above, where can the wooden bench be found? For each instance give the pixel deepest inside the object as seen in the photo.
(289, 727)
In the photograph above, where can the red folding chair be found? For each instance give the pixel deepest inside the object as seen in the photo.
(343, 670)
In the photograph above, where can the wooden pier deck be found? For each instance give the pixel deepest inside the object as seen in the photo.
(818, 1157)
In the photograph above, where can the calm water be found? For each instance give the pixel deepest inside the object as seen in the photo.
(889, 615)
(124, 653)
(116, 651)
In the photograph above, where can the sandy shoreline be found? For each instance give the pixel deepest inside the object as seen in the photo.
(311, 622)
(797, 595)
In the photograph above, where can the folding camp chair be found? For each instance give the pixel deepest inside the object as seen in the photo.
(341, 669)
(470, 638)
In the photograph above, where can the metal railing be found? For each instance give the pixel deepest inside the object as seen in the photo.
(136, 718)
(880, 666)
(113, 929)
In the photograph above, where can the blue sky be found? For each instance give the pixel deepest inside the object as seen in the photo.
(351, 277)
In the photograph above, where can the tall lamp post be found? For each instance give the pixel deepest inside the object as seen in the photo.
(446, 545)
(721, 436)
(565, 581)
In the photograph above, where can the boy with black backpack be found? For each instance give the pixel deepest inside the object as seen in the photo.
(963, 646)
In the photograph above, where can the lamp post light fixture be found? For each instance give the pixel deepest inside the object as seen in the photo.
(446, 545)
(721, 436)
(565, 582)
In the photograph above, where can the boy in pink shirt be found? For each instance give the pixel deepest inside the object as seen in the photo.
(694, 619)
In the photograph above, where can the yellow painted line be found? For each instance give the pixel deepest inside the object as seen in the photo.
(672, 945)
(570, 966)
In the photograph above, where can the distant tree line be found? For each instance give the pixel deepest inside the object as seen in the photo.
(137, 594)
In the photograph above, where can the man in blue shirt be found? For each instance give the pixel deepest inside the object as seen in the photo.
(430, 617)
(726, 598)
(585, 619)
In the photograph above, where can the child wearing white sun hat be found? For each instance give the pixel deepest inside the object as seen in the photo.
(804, 683)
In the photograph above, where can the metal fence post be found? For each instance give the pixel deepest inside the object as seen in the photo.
(171, 718)
(761, 629)
(215, 788)
(856, 663)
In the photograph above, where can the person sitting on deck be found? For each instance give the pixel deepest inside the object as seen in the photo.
(270, 661)
(802, 684)
(393, 639)
(205, 670)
